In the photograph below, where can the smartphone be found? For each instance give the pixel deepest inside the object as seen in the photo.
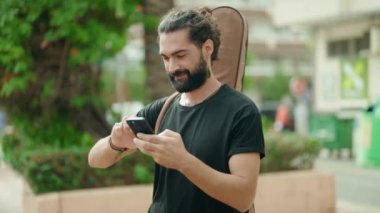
(139, 124)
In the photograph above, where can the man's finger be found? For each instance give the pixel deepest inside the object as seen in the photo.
(147, 137)
(169, 133)
(117, 127)
(144, 146)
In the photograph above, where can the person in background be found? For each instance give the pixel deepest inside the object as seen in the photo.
(283, 117)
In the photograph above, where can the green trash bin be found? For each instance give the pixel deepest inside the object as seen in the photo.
(344, 134)
(362, 132)
(322, 127)
(374, 147)
(334, 133)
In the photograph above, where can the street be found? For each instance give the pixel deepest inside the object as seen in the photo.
(357, 188)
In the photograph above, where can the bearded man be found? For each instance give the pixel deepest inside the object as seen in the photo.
(210, 142)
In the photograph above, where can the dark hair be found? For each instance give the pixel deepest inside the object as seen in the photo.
(199, 22)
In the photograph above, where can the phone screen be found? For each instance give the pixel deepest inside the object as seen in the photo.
(139, 124)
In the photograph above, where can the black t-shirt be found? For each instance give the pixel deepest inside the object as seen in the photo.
(225, 124)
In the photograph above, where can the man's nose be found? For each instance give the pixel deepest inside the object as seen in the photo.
(172, 65)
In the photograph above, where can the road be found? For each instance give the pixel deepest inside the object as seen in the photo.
(357, 188)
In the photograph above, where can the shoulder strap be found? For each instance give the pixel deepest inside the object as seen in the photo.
(163, 111)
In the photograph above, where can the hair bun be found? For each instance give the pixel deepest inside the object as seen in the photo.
(205, 11)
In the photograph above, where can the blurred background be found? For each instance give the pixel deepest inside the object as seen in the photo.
(69, 70)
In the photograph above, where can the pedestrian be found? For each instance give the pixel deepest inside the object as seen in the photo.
(283, 117)
(210, 142)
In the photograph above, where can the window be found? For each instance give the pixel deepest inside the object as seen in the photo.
(362, 43)
(349, 47)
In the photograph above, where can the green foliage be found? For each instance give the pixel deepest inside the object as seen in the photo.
(276, 87)
(136, 87)
(92, 29)
(53, 131)
(248, 83)
(49, 169)
(56, 158)
(19, 84)
(267, 123)
(50, 53)
(50, 56)
(151, 22)
(142, 174)
(288, 151)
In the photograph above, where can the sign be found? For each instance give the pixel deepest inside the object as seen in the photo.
(354, 78)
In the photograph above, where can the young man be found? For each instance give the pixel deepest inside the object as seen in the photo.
(210, 143)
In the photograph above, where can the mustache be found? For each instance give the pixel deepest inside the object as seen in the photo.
(180, 72)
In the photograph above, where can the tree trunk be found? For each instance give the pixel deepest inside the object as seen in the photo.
(157, 81)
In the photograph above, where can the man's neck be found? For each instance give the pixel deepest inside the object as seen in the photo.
(198, 95)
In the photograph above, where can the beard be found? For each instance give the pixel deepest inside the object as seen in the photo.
(192, 80)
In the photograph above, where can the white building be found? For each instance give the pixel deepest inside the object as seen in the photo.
(347, 50)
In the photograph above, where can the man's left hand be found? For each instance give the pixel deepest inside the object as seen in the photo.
(166, 148)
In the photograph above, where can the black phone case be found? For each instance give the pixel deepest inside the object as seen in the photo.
(139, 125)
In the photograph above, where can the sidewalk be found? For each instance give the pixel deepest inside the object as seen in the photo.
(10, 190)
(349, 197)
(357, 188)
(344, 206)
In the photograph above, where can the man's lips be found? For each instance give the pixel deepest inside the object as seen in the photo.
(179, 74)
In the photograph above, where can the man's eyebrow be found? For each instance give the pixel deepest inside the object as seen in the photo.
(175, 52)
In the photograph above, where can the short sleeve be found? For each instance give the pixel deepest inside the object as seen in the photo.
(151, 111)
(247, 133)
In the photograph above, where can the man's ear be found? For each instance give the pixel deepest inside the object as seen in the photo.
(208, 47)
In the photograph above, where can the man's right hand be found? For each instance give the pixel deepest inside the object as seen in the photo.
(102, 155)
(122, 135)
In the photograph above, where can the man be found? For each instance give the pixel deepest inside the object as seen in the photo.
(208, 151)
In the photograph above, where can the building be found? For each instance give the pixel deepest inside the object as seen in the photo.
(347, 50)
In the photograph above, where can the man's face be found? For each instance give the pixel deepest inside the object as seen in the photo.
(184, 80)
(184, 62)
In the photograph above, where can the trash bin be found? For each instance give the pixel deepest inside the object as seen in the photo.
(374, 147)
(367, 138)
(333, 132)
(344, 134)
(362, 130)
(322, 128)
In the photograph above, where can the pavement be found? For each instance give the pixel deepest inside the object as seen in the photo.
(357, 188)
(10, 190)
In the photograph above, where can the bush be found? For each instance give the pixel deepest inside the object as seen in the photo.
(50, 87)
(50, 64)
(52, 169)
(289, 151)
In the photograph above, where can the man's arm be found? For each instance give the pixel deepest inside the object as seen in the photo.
(237, 189)
(102, 155)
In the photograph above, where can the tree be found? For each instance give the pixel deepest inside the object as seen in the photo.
(50, 52)
(157, 80)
